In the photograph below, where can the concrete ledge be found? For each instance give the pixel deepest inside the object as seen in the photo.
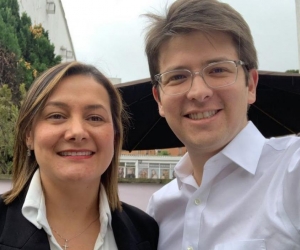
(5, 177)
(142, 180)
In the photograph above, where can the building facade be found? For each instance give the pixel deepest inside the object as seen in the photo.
(147, 166)
(50, 14)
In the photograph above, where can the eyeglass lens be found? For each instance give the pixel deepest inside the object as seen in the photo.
(215, 75)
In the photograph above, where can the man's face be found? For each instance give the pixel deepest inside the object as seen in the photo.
(224, 109)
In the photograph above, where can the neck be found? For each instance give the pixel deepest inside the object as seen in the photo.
(77, 203)
(198, 159)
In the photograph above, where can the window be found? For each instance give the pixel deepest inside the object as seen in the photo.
(50, 8)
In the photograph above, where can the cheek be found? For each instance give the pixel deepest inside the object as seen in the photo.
(43, 138)
(107, 138)
(170, 105)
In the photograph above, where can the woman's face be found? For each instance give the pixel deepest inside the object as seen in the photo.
(73, 136)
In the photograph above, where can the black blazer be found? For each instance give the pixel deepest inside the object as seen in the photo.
(133, 229)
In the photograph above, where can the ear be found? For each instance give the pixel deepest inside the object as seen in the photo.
(157, 99)
(252, 85)
(29, 140)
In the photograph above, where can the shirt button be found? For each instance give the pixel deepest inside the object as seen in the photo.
(190, 248)
(197, 202)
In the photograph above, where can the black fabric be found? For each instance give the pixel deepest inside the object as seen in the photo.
(133, 229)
(18, 233)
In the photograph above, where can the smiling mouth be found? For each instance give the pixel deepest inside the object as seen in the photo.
(203, 115)
(84, 153)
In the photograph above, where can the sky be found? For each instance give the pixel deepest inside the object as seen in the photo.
(110, 33)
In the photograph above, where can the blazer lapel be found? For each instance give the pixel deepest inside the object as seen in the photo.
(126, 235)
(19, 233)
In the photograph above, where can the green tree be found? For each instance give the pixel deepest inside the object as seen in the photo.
(42, 54)
(13, 5)
(30, 43)
(8, 35)
(9, 72)
(163, 152)
(292, 71)
(8, 113)
(25, 51)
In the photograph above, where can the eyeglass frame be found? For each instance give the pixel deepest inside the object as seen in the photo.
(237, 63)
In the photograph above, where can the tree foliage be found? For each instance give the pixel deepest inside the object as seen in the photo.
(8, 113)
(25, 51)
(29, 44)
(163, 152)
(8, 26)
(292, 71)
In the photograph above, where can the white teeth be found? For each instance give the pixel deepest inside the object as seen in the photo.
(199, 116)
(75, 153)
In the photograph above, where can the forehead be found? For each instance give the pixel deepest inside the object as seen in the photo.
(80, 89)
(197, 47)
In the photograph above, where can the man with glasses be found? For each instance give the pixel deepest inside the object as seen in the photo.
(234, 189)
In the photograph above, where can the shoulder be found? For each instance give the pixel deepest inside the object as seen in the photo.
(168, 191)
(137, 215)
(16, 232)
(283, 152)
(133, 227)
(3, 210)
(167, 197)
(287, 160)
(288, 142)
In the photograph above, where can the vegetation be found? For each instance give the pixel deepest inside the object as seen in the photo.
(25, 52)
(292, 71)
(25, 49)
(163, 152)
(8, 113)
(142, 180)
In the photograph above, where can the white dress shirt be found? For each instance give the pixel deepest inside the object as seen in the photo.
(249, 198)
(34, 210)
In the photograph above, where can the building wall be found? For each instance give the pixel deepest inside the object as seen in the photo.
(115, 80)
(50, 14)
(136, 194)
(170, 151)
(147, 166)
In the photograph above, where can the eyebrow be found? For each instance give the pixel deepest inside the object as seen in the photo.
(216, 59)
(64, 105)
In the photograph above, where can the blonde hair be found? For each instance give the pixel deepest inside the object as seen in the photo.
(24, 166)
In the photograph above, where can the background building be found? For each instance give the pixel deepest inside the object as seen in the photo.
(147, 166)
(50, 14)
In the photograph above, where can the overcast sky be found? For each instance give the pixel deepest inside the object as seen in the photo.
(110, 33)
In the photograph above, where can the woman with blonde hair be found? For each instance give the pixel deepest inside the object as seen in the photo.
(65, 169)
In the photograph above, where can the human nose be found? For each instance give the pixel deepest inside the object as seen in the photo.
(76, 130)
(199, 89)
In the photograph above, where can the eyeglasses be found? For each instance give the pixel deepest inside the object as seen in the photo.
(215, 75)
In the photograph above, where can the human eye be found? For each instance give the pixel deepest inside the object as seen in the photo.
(95, 118)
(55, 116)
(220, 69)
(174, 77)
(217, 70)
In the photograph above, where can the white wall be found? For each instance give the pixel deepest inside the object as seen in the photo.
(54, 23)
(5, 185)
(136, 194)
(297, 2)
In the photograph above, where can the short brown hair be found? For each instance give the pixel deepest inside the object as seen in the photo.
(24, 166)
(185, 16)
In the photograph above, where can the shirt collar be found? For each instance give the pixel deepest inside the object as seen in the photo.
(104, 206)
(184, 171)
(245, 150)
(34, 208)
